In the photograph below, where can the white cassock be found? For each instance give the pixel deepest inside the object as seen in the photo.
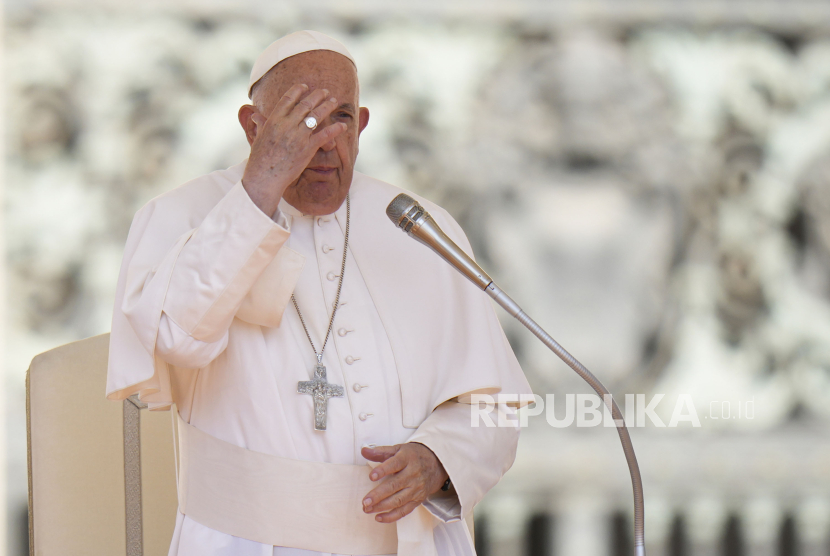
(203, 320)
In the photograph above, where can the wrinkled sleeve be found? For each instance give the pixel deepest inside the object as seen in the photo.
(475, 457)
(178, 294)
(218, 265)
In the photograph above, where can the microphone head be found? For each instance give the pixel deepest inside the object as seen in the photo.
(399, 206)
(403, 211)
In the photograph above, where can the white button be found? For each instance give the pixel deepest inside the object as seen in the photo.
(364, 416)
(350, 360)
(321, 220)
(326, 248)
(342, 332)
(359, 387)
(331, 276)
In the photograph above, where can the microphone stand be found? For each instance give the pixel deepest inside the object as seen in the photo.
(408, 215)
(636, 480)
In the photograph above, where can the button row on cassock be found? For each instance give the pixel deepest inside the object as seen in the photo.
(343, 331)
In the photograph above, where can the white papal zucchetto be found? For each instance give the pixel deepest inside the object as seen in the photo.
(291, 45)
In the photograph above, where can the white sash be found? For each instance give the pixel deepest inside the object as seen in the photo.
(292, 503)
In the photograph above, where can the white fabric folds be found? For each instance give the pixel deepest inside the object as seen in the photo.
(444, 333)
(213, 216)
(294, 503)
(278, 501)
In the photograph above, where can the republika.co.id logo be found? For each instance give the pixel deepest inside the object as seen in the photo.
(589, 410)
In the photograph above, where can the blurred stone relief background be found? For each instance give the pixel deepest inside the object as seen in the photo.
(648, 179)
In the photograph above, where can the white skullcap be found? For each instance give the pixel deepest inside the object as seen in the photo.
(291, 45)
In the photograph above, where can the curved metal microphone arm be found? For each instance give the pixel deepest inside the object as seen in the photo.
(410, 216)
(634, 469)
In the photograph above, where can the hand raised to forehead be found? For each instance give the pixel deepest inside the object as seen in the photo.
(284, 145)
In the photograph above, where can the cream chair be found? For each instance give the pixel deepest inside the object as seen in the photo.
(101, 473)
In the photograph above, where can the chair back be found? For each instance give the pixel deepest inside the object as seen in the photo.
(101, 473)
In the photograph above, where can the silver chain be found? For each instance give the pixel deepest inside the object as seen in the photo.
(336, 298)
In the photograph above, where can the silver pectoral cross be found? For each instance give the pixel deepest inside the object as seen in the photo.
(321, 390)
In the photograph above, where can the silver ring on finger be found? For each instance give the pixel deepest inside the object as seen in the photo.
(310, 122)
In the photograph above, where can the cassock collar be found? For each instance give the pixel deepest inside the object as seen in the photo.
(290, 211)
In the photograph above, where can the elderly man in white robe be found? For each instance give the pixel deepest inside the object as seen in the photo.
(321, 363)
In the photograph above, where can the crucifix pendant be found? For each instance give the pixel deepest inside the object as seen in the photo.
(321, 390)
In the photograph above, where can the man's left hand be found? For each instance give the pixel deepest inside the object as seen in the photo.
(412, 473)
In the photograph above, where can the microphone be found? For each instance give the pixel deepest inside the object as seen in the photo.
(408, 215)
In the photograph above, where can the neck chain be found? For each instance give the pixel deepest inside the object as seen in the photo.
(336, 298)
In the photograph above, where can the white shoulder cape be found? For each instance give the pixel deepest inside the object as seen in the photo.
(446, 339)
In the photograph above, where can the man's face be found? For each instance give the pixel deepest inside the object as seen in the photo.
(323, 185)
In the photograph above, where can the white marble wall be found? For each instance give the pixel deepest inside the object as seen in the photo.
(655, 195)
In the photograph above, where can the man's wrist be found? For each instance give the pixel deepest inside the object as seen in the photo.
(262, 195)
(443, 475)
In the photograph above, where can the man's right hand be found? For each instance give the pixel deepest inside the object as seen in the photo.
(282, 145)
